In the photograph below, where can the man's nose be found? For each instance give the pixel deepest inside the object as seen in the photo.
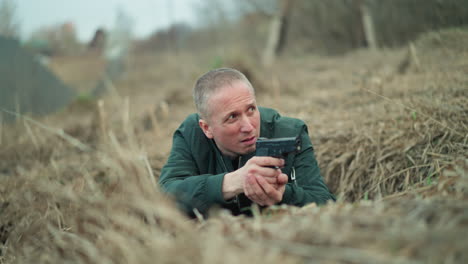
(246, 125)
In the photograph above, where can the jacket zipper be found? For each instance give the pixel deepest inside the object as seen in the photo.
(293, 175)
(236, 199)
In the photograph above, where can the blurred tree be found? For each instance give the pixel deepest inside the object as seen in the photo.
(367, 22)
(9, 25)
(116, 51)
(266, 7)
(227, 27)
(215, 19)
(98, 41)
(55, 40)
(118, 44)
(173, 38)
(216, 12)
(399, 21)
(317, 26)
(337, 26)
(278, 30)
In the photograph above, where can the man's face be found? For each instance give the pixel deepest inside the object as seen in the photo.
(234, 121)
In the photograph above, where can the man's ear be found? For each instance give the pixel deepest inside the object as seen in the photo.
(206, 128)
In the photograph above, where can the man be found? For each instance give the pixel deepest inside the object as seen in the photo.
(213, 162)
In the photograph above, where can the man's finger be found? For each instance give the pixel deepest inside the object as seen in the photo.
(271, 180)
(268, 161)
(282, 179)
(268, 172)
(253, 191)
(261, 197)
(273, 195)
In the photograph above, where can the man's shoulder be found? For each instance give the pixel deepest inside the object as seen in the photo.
(189, 123)
(268, 114)
(271, 117)
(192, 119)
(276, 125)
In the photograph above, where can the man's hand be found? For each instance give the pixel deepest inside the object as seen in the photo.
(261, 191)
(257, 180)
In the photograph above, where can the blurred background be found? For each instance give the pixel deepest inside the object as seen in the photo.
(328, 27)
(85, 43)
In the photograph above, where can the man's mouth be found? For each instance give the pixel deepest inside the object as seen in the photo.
(250, 140)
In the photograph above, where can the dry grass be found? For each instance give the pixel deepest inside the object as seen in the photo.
(392, 146)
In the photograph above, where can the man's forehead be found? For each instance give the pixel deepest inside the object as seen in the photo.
(219, 102)
(226, 93)
(227, 87)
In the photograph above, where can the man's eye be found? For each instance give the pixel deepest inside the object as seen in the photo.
(232, 117)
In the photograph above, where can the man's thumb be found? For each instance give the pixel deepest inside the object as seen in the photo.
(282, 179)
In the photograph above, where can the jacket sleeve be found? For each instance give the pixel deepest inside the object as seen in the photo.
(181, 178)
(309, 186)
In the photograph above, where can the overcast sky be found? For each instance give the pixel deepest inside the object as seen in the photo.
(88, 15)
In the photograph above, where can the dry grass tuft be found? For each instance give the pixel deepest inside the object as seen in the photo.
(398, 152)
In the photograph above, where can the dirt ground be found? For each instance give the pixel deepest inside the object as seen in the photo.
(389, 128)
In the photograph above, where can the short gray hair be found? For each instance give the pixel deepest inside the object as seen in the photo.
(210, 82)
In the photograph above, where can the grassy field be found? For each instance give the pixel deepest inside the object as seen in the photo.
(390, 130)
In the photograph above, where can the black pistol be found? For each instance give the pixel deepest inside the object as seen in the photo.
(278, 147)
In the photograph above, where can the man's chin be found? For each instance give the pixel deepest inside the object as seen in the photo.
(249, 150)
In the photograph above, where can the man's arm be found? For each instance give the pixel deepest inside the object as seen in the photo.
(181, 177)
(309, 186)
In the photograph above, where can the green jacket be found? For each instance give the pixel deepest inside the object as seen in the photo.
(195, 169)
